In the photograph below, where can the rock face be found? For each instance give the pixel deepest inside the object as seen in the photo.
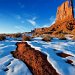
(65, 12)
(34, 59)
(67, 27)
(65, 22)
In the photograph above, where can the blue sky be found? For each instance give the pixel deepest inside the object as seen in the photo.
(25, 15)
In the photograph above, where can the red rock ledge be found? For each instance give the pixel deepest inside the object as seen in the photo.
(34, 59)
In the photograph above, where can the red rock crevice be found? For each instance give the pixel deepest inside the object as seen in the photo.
(34, 59)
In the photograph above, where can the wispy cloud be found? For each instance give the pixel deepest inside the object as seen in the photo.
(52, 20)
(32, 21)
(46, 25)
(20, 18)
(34, 18)
(21, 28)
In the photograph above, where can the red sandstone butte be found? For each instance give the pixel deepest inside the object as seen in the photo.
(65, 11)
(65, 22)
(34, 59)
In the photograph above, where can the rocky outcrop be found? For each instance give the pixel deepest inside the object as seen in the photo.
(65, 22)
(34, 59)
(65, 12)
(67, 27)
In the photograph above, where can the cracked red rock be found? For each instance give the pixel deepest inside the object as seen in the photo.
(34, 59)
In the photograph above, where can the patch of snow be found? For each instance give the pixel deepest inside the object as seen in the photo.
(17, 67)
(8, 64)
(11, 66)
(65, 46)
(37, 48)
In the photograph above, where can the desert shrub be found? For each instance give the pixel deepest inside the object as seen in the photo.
(46, 38)
(61, 37)
(2, 37)
(16, 35)
(26, 38)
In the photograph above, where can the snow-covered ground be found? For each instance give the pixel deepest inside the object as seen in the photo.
(11, 66)
(57, 46)
(8, 64)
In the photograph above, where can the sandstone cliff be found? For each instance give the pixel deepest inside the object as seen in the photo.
(66, 27)
(65, 22)
(65, 12)
(34, 59)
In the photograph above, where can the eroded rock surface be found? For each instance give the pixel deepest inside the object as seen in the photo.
(65, 12)
(34, 59)
(67, 27)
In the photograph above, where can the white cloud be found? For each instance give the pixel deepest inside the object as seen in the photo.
(46, 25)
(20, 18)
(52, 20)
(32, 21)
(21, 28)
(34, 18)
